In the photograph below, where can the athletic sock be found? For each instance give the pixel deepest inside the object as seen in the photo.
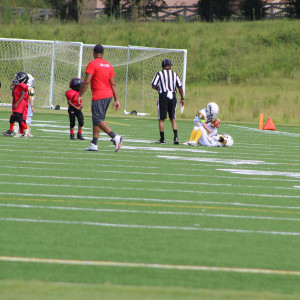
(112, 134)
(193, 134)
(80, 131)
(11, 127)
(71, 131)
(95, 141)
(198, 135)
(162, 135)
(175, 134)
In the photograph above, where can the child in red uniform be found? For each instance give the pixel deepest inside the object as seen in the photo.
(20, 99)
(75, 107)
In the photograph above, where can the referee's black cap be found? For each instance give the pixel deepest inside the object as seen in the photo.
(98, 49)
(166, 62)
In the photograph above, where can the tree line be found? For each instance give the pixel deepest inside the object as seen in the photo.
(208, 10)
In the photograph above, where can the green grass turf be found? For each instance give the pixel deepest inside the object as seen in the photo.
(138, 206)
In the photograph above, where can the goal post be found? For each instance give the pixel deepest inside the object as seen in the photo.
(54, 63)
(51, 63)
(135, 68)
(142, 64)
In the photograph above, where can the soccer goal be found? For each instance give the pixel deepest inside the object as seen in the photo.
(54, 63)
(135, 68)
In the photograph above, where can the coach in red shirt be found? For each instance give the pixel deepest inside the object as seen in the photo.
(100, 74)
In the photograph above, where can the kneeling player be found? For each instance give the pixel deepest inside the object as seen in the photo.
(203, 121)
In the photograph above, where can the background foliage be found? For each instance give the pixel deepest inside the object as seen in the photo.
(246, 67)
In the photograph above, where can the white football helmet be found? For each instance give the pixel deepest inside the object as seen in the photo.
(30, 81)
(229, 140)
(212, 110)
(225, 140)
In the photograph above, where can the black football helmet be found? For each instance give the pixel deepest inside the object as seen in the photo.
(22, 77)
(75, 84)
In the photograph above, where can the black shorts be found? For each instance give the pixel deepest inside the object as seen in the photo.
(166, 106)
(73, 114)
(99, 108)
(16, 117)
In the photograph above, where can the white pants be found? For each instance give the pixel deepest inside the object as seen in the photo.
(30, 113)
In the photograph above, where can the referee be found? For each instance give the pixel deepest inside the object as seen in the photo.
(166, 82)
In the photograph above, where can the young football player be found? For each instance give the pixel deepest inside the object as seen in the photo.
(20, 98)
(202, 122)
(75, 108)
(31, 92)
(28, 109)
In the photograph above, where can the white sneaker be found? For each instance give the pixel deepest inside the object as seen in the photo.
(186, 143)
(117, 141)
(192, 143)
(92, 147)
(17, 134)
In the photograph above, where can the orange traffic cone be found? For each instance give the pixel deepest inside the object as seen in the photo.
(269, 125)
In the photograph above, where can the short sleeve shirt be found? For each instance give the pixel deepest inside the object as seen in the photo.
(16, 93)
(200, 117)
(102, 71)
(73, 96)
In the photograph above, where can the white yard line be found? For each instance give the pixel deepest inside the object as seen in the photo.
(129, 211)
(6, 183)
(159, 227)
(151, 181)
(261, 172)
(146, 265)
(87, 198)
(154, 174)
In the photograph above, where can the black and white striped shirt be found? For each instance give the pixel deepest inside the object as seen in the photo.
(166, 81)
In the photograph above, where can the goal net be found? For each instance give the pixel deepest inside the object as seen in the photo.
(134, 69)
(54, 63)
(51, 63)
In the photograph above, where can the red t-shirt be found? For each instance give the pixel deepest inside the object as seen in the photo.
(102, 71)
(16, 93)
(73, 96)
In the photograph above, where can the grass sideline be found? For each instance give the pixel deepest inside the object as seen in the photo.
(155, 204)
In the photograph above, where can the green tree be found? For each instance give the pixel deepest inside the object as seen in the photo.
(133, 9)
(253, 9)
(293, 9)
(68, 10)
(210, 10)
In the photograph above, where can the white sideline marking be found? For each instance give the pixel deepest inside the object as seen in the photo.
(145, 265)
(266, 131)
(193, 150)
(284, 233)
(144, 189)
(147, 200)
(260, 172)
(146, 212)
(216, 160)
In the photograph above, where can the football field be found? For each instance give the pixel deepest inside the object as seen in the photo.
(149, 221)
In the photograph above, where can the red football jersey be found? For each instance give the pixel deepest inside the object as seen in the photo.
(102, 71)
(16, 93)
(73, 96)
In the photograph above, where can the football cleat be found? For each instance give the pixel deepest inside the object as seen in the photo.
(117, 141)
(92, 147)
(8, 133)
(176, 141)
(186, 143)
(161, 142)
(80, 137)
(72, 136)
(192, 143)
